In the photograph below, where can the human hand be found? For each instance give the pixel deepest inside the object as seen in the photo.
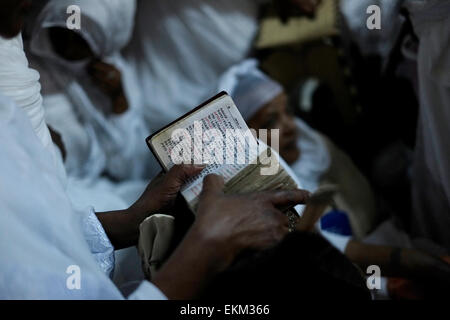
(160, 194)
(109, 79)
(122, 227)
(232, 223)
(224, 226)
(307, 7)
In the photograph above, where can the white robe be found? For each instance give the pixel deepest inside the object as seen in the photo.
(21, 84)
(41, 236)
(181, 47)
(431, 172)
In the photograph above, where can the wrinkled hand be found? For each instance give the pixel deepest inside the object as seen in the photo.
(109, 79)
(160, 194)
(122, 227)
(232, 223)
(224, 226)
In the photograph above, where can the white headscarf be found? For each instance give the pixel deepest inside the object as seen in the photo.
(250, 88)
(21, 84)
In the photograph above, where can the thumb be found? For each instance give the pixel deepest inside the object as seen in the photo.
(178, 175)
(212, 184)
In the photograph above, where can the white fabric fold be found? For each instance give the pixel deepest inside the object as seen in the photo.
(431, 170)
(21, 83)
(249, 87)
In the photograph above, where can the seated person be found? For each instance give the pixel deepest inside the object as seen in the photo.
(88, 93)
(315, 160)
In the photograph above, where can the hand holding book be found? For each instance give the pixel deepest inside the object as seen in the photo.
(225, 225)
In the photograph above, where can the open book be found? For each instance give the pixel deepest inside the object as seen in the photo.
(215, 134)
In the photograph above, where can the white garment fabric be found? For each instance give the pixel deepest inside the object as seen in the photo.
(105, 24)
(251, 90)
(21, 84)
(97, 140)
(42, 237)
(431, 172)
(314, 160)
(180, 48)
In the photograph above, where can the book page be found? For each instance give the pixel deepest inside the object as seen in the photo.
(197, 143)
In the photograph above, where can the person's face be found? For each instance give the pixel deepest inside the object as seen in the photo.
(12, 14)
(276, 115)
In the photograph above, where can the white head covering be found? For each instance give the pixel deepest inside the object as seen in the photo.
(249, 87)
(21, 84)
(105, 24)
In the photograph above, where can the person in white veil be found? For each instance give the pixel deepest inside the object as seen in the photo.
(314, 159)
(88, 93)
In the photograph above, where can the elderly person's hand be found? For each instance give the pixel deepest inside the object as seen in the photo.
(161, 193)
(225, 225)
(122, 227)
